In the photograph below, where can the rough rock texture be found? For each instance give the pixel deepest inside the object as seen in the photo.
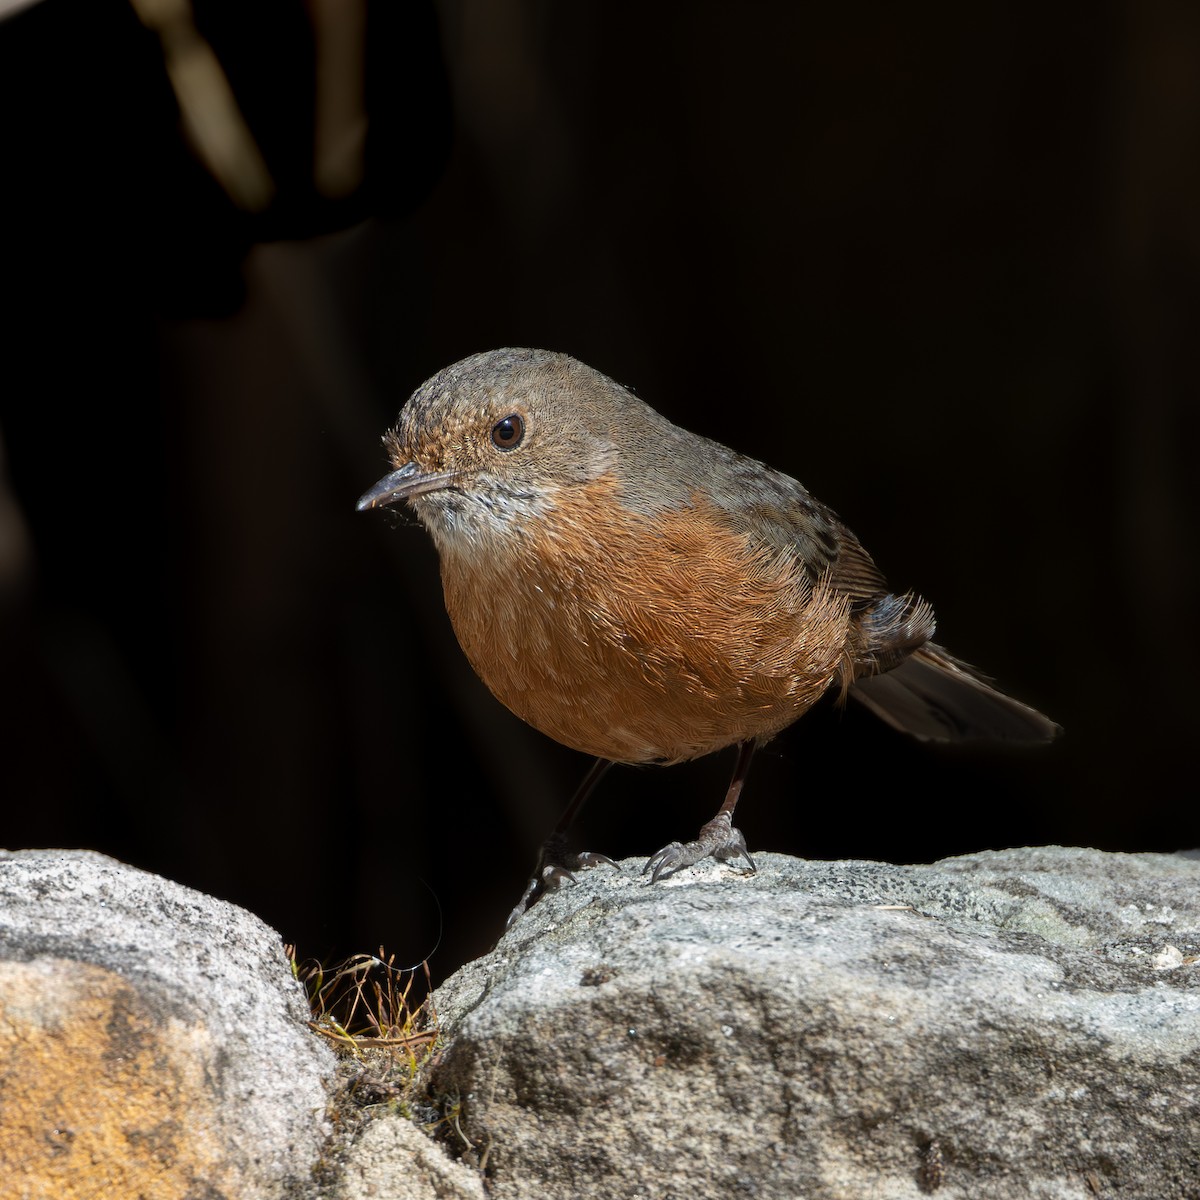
(1016, 1024)
(152, 1041)
(394, 1160)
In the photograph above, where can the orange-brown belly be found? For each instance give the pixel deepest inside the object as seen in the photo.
(644, 650)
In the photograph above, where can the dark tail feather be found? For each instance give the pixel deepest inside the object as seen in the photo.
(933, 697)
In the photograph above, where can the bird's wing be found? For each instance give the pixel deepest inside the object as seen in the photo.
(778, 511)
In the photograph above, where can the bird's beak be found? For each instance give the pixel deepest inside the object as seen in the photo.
(402, 484)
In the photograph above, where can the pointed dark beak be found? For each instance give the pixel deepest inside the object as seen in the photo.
(401, 485)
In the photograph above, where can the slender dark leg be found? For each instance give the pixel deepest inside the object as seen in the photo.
(718, 838)
(552, 869)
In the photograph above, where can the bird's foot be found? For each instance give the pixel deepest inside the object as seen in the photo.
(718, 839)
(555, 867)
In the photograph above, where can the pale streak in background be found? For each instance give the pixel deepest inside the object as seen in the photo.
(8, 7)
(340, 136)
(16, 553)
(211, 118)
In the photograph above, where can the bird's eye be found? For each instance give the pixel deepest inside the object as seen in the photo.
(507, 433)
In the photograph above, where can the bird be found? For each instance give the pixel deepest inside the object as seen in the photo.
(647, 595)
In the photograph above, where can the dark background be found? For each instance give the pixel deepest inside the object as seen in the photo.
(939, 262)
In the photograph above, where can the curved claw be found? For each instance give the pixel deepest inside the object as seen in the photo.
(553, 876)
(587, 859)
(550, 876)
(549, 879)
(667, 861)
(718, 839)
(734, 849)
(522, 906)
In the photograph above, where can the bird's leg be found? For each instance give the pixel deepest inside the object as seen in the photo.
(718, 838)
(555, 861)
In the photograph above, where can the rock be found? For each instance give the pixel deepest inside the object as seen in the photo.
(394, 1160)
(1023, 1023)
(1014, 1024)
(152, 1041)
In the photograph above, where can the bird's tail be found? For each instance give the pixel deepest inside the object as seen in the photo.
(933, 697)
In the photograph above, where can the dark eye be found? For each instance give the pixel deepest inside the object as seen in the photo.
(507, 433)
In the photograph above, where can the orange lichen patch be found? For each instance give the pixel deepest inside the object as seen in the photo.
(101, 1093)
(641, 637)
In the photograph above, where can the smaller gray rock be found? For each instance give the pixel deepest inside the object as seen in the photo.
(394, 1160)
(153, 1039)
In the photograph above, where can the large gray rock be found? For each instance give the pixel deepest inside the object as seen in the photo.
(1016, 1024)
(152, 1041)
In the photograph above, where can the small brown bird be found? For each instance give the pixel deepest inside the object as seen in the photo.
(646, 595)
